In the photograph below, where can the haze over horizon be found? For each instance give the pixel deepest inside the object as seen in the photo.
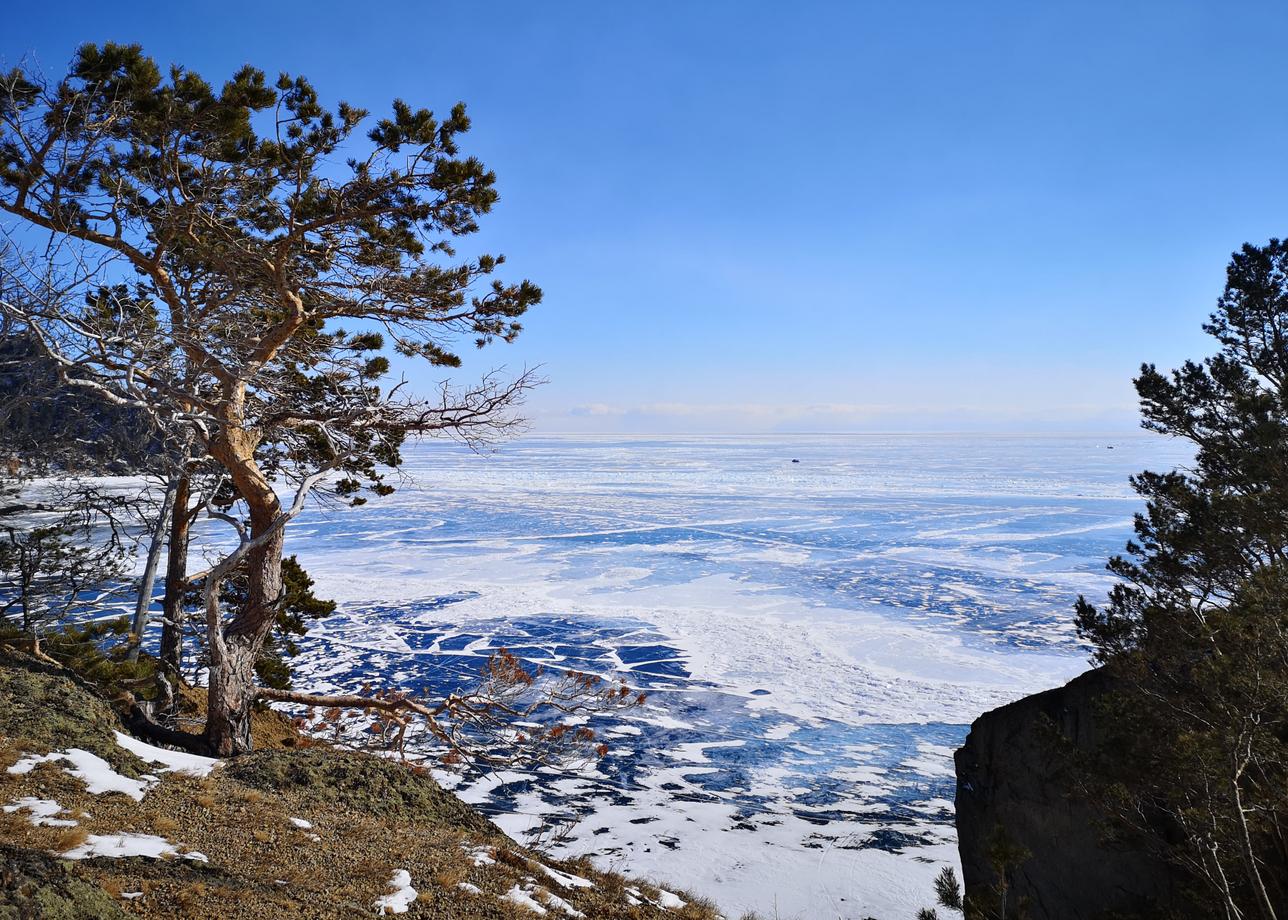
(838, 217)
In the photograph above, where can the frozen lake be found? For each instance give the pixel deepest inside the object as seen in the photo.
(815, 636)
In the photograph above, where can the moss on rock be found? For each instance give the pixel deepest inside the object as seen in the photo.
(45, 709)
(35, 885)
(361, 782)
(364, 819)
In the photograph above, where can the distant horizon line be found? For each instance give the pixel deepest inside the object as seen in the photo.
(1087, 435)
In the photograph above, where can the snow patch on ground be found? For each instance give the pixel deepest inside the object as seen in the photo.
(172, 761)
(40, 812)
(517, 895)
(670, 901)
(119, 846)
(95, 772)
(566, 880)
(482, 856)
(400, 897)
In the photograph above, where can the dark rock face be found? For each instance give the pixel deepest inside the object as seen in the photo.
(1013, 774)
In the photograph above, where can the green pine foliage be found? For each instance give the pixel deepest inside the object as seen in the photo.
(1197, 631)
(997, 903)
(299, 605)
(277, 252)
(98, 651)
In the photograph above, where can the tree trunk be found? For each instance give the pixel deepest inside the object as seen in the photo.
(230, 696)
(144, 602)
(1264, 904)
(235, 647)
(173, 614)
(176, 571)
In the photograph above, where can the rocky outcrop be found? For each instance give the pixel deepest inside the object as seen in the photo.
(43, 707)
(1014, 778)
(313, 832)
(35, 885)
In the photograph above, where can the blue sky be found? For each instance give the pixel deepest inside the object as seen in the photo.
(808, 216)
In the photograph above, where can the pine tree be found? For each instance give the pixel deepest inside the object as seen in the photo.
(221, 271)
(1197, 631)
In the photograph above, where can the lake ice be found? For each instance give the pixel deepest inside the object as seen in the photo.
(815, 636)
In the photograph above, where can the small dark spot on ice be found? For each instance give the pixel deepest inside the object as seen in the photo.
(647, 820)
(760, 693)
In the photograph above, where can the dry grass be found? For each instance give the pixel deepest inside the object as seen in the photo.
(253, 849)
(15, 828)
(251, 796)
(261, 866)
(69, 838)
(450, 877)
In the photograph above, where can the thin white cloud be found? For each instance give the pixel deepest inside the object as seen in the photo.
(840, 417)
(596, 409)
